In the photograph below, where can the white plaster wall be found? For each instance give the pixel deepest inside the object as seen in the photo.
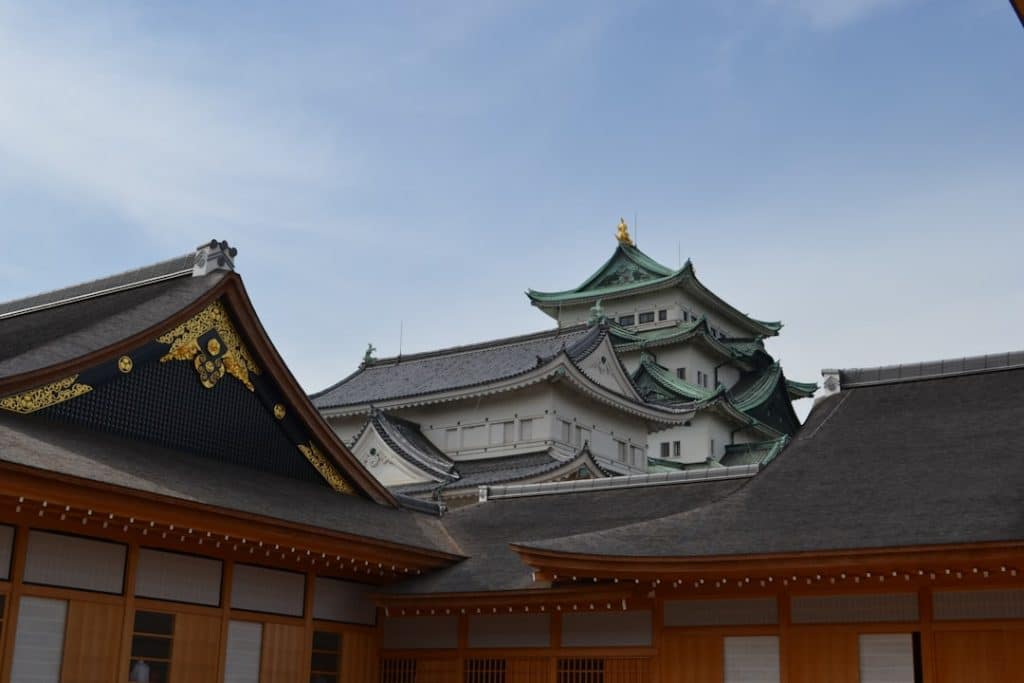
(544, 407)
(389, 469)
(347, 427)
(473, 428)
(675, 301)
(605, 428)
(689, 356)
(603, 367)
(695, 439)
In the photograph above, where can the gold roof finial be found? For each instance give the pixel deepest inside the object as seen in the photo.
(622, 235)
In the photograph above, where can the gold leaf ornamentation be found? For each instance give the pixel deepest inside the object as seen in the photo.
(45, 396)
(280, 411)
(234, 357)
(325, 468)
(125, 364)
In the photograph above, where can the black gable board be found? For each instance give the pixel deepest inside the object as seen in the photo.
(163, 401)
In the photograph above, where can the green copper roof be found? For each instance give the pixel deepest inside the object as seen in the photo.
(625, 339)
(662, 377)
(628, 271)
(760, 453)
(760, 390)
(801, 389)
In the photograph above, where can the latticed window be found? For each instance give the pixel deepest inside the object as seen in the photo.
(580, 670)
(485, 671)
(398, 671)
(325, 663)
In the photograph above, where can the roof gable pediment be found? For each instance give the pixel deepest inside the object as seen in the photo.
(202, 378)
(628, 265)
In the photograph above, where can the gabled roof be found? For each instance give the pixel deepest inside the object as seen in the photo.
(747, 352)
(150, 345)
(483, 369)
(629, 271)
(408, 442)
(446, 369)
(872, 468)
(659, 384)
(536, 466)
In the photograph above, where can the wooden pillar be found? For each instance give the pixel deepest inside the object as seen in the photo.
(307, 612)
(225, 611)
(14, 598)
(925, 617)
(128, 618)
(785, 621)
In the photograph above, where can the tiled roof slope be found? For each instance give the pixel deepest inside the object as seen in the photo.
(630, 271)
(483, 531)
(454, 368)
(873, 467)
(87, 454)
(474, 473)
(175, 267)
(53, 334)
(406, 439)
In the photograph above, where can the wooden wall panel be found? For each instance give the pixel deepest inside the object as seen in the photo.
(813, 656)
(633, 670)
(687, 658)
(438, 671)
(529, 670)
(195, 655)
(92, 642)
(359, 657)
(978, 656)
(284, 656)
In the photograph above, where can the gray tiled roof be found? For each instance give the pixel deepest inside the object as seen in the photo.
(446, 369)
(59, 333)
(406, 439)
(484, 531)
(927, 462)
(170, 268)
(473, 473)
(33, 441)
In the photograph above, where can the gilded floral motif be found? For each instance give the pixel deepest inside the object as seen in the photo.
(224, 353)
(325, 468)
(45, 396)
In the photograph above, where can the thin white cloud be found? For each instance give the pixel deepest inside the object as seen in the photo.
(120, 123)
(832, 14)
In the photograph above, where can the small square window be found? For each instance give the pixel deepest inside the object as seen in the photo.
(664, 449)
(627, 320)
(681, 373)
(677, 449)
(663, 314)
(647, 317)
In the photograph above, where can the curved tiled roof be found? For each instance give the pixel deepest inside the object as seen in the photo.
(454, 368)
(630, 271)
(52, 328)
(406, 439)
(873, 467)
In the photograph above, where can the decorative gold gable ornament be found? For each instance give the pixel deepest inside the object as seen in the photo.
(325, 468)
(45, 396)
(222, 353)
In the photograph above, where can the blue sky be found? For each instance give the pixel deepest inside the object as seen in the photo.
(851, 167)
